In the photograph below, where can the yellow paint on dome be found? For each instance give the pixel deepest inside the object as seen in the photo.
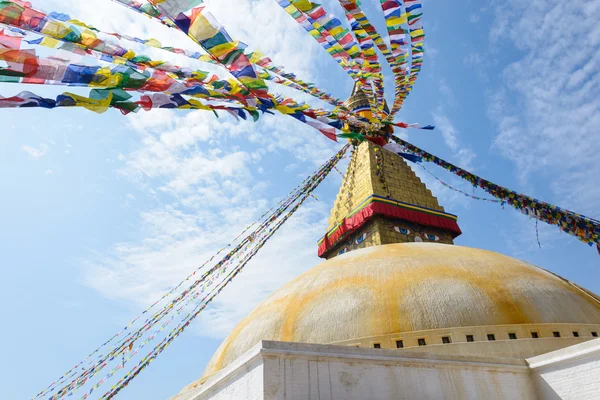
(403, 288)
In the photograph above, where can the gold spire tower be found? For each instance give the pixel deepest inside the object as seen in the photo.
(382, 201)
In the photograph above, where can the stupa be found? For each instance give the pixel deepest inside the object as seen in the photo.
(398, 311)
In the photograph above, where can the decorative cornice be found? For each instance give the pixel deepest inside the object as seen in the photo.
(378, 205)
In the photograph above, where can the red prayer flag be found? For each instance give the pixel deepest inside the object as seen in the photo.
(9, 42)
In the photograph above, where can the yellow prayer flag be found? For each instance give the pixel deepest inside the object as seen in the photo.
(104, 78)
(119, 60)
(78, 23)
(98, 106)
(129, 54)
(256, 56)
(302, 5)
(284, 109)
(395, 21)
(50, 42)
(222, 49)
(335, 31)
(198, 105)
(154, 43)
(88, 37)
(206, 58)
(56, 29)
(201, 29)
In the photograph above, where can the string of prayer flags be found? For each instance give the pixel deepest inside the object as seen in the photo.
(414, 126)
(116, 54)
(417, 160)
(64, 29)
(24, 67)
(175, 7)
(101, 100)
(259, 242)
(179, 308)
(204, 30)
(146, 8)
(583, 228)
(396, 23)
(414, 11)
(215, 40)
(371, 68)
(54, 72)
(395, 62)
(264, 63)
(327, 31)
(61, 35)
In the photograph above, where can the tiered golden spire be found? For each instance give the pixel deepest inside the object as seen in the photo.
(357, 100)
(382, 201)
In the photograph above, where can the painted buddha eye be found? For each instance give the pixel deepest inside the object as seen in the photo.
(431, 237)
(342, 251)
(361, 238)
(403, 231)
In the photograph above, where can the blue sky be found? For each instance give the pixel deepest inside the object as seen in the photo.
(103, 213)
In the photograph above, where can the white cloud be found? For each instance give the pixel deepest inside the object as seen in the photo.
(447, 129)
(548, 110)
(481, 63)
(295, 243)
(474, 18)
(464, 156)
(177, 237)
(174, 244)
(432, 53)
(48, 172)
(523, 235)
(461, 156)
(474, 59)
(35, 152)
(447, 92)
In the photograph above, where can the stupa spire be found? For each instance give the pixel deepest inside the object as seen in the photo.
(382, 201)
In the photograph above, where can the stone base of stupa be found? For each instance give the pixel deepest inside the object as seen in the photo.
(298, 371)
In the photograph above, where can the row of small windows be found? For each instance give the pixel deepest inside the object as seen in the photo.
(471, 338)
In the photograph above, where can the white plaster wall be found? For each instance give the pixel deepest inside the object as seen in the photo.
(296, 376)
(572, 373)
(299, 371)
(247, 386)
(242, 380)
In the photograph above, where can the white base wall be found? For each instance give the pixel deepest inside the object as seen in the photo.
(299, 371)
(572, 373)
(243, 379)
(305, 373)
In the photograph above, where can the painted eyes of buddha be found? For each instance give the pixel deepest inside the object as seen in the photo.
(418, 237)
(403, 231)
(431, 237)
(361, 238)
(342, 251)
